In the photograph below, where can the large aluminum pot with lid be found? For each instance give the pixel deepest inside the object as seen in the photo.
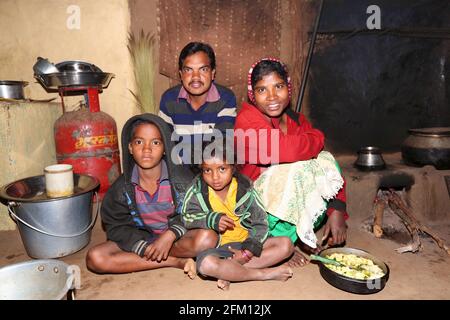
(427, 146)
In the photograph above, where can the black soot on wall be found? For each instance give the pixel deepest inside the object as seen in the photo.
(368, 87)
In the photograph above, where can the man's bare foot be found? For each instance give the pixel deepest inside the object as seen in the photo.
(281, 273)
(223, 284)
(189, 268)
(297, 259)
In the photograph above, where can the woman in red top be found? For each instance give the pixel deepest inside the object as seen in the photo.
(268, 132)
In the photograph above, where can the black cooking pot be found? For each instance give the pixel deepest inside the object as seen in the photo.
(427, 146)
(349, 284)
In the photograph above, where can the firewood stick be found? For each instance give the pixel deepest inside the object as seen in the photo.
(436, 238)
(401, 205)
(415, 245)
(378, 218)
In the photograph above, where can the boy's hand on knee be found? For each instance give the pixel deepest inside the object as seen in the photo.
(337, 227)
(159, 250)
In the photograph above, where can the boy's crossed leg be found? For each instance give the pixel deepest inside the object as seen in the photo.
(107, 257)
(275, 250)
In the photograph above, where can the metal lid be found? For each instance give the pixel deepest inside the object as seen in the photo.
(431, 132)
(32, 189)
(43, 66)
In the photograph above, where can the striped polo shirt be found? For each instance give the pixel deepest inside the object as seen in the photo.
(219, 110)
(194, 126)
(154, 209)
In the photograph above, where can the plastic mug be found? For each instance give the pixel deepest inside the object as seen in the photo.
(58, 180)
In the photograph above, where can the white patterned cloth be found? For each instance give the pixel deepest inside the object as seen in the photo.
(297, 192)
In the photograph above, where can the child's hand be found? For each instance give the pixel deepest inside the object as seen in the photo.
(338, 228)
(240, 257)
(159, 250)
(225, 223)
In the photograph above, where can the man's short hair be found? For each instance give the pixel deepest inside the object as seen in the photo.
(194, 47)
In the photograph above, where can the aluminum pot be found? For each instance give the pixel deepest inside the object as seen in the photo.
(427, 146)
(37, 280)
(354, 285)
(369, 159)
(51, 227)
(12, 89)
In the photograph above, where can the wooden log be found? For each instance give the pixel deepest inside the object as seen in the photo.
(378, 218)
(415, 245)
(405, 213)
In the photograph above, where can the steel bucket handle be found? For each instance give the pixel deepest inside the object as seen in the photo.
(15, 218)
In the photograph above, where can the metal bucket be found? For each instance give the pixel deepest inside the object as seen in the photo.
(52, 227)
(37, 280)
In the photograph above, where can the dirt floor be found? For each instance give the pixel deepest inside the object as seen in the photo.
(424, 275)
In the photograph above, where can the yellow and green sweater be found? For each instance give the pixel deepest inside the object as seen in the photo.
(197, 213)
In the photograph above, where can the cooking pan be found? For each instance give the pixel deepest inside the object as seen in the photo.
(349, 284)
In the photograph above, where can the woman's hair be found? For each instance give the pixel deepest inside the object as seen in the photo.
(194, 47)
(266, 67)
(263, 68)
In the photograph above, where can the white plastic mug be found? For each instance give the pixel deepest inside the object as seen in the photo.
(58, 180)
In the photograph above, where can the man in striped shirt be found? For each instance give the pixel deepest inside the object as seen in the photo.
(197, 106)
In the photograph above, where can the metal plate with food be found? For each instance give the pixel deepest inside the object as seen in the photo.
(354, 270)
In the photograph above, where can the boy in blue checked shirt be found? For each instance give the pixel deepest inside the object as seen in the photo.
(139, 212)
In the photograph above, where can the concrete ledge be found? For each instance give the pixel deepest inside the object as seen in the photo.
(26, 143)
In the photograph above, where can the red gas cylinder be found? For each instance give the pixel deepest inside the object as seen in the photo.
(87, 139)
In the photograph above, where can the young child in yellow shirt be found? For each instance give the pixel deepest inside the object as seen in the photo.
(223, 200)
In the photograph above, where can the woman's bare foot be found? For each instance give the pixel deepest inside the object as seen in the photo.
(307, 249)
(223, 284)
(281, 273)
(297, 259)
(189, 268)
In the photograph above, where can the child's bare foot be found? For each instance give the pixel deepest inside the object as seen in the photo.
(189, 268)
(297, 259)
(281, 273)
(223, 284)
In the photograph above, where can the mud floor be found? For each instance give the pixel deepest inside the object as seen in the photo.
(423, 275)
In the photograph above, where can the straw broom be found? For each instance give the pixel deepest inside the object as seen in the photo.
(141, 50)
